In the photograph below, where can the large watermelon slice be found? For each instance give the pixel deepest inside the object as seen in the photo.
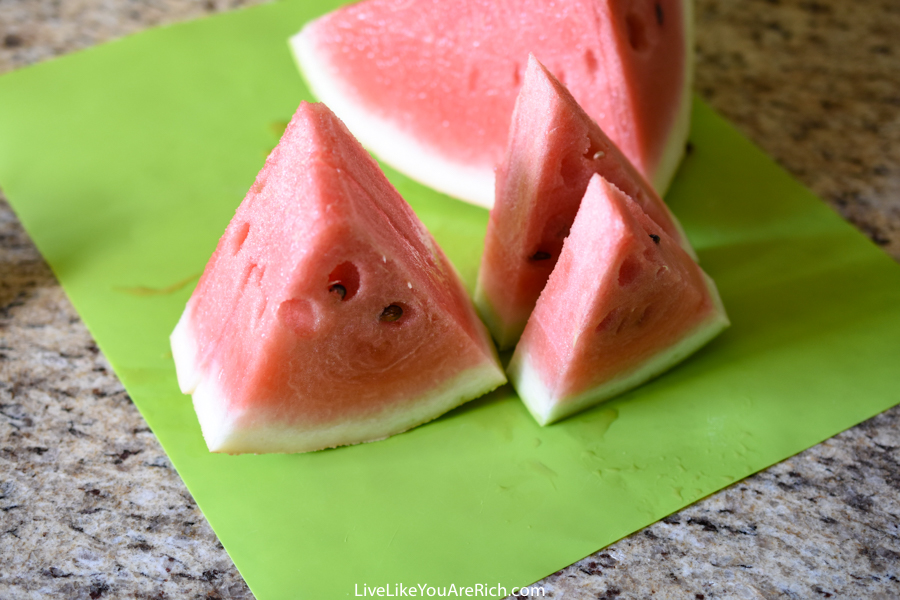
(327, 314)
(624, 303)
(430, 85)
(554, 148)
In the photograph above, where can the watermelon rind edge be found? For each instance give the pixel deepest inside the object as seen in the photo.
(184, 349)
(404, 153)
(241, 432)
(546, 409)
(674, 149)
(471, 184)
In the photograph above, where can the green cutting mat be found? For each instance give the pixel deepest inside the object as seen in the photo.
(125, 163)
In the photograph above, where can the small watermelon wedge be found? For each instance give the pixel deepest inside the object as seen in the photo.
(430, 86)
(554, 148)
(327, 314)
(624, 303)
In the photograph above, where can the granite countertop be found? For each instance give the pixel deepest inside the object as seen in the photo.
(90, 507)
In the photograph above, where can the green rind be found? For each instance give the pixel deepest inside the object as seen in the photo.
(546, 408)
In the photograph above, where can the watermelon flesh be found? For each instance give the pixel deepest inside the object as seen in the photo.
(624, 303)
(327, 314)
(430, 86)
(554, 148)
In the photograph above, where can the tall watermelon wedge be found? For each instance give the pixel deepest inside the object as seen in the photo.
(624, 303)
(429, 86)
(554, 148)
(327, 314)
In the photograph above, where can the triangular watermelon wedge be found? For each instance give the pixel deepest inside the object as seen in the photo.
(554, 148)
(430, 86)
(327, 315)
(624, 303)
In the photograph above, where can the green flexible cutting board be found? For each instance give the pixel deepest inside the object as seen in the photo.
(125, 162)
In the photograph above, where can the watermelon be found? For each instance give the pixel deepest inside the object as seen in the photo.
(554, 147)
(430, 85)
(624, 303)
(327, 314)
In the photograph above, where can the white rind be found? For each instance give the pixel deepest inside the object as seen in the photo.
(546, 408)
(252, 432)
(471, 184)
(393, 145)
(184, 351)
(674, 149)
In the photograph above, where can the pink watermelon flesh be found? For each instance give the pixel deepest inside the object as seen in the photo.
(554, 148)
(430, 86)
(624, 303)
(327, 314)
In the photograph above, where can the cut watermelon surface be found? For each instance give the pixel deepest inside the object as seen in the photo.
(554, 148)
(429, 85)
(624, 303)
(327, 314)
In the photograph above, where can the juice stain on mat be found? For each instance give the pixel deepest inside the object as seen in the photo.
(543, 470)
(278, 127)
(141, 290)
(593, 425)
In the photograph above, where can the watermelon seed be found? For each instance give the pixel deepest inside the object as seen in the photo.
(338, 289)
(540, 255)
(344, 280)
(390, 314)
(595, 149)
(659, 14)
(655, 238)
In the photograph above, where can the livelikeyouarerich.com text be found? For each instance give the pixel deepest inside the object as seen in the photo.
(399, 590)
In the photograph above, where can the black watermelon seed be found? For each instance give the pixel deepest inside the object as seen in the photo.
(659, 14)
(391, 313)
(655, 238)
(338, 289)
(541, 255)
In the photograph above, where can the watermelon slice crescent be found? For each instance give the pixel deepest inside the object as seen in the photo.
(623, 304)
(429, 86)
(554, 148)
(327, 314)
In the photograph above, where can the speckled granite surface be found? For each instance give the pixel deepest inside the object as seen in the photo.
(91, 508)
